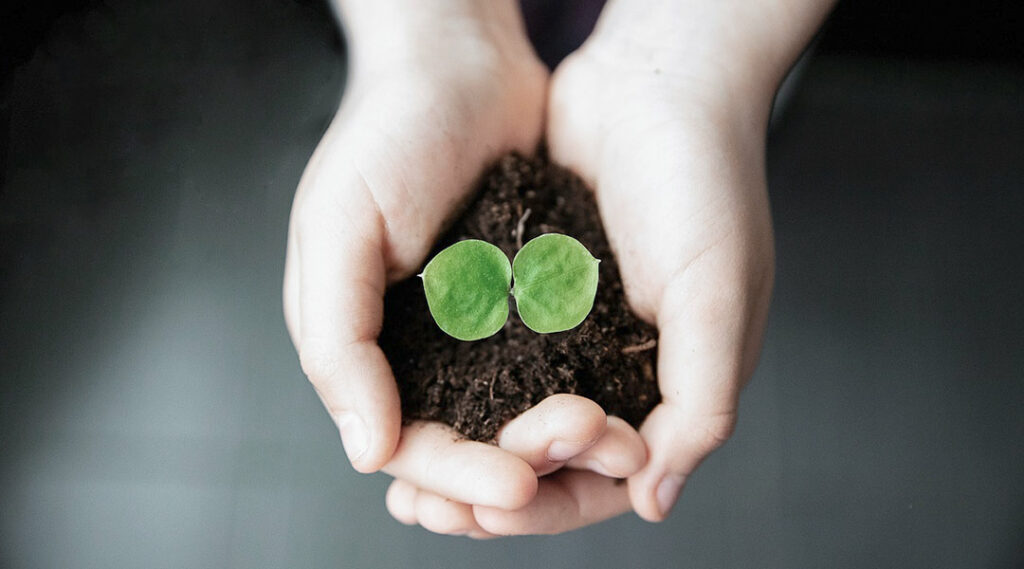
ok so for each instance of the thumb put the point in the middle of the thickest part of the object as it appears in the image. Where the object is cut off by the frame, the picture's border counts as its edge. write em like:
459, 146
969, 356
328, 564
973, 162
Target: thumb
710, 336
336, 312
677, 441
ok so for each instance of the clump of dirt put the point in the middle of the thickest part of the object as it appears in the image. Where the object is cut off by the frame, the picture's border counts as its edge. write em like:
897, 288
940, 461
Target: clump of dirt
476, 387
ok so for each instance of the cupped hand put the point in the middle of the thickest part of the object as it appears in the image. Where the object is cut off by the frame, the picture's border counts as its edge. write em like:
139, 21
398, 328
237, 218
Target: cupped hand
418, 123
664, 111
677, 163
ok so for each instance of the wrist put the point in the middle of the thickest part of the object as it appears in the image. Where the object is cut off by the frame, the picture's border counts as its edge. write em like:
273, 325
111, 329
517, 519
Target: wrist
735, 51
412, 35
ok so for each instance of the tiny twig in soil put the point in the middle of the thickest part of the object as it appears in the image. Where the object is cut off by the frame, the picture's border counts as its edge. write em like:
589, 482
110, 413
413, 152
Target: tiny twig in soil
519, 228
649, 344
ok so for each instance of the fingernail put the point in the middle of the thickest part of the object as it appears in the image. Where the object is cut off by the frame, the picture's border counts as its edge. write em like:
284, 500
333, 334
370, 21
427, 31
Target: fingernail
594, 465
561, 451
354, 435
668, 492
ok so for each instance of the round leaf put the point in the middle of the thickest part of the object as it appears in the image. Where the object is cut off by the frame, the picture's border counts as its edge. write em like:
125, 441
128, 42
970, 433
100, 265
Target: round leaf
467, 289
556, 280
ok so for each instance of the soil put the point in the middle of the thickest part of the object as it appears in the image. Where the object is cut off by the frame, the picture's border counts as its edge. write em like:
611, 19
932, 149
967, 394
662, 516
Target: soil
476, 387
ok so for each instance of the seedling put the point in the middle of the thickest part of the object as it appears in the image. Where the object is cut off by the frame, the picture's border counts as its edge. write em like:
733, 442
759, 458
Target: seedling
468, 284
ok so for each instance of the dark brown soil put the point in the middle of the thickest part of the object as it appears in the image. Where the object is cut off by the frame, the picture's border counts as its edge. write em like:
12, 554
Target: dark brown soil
477, 387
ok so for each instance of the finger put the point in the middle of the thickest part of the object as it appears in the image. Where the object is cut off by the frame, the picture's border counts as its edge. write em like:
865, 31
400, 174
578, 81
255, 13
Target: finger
566, 500
678, 441
401, 501
441, 515
619, 453
342, 275
553, 431
433, 457
709, 338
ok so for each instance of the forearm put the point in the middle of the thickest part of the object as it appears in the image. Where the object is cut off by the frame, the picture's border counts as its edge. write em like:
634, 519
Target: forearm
748, 45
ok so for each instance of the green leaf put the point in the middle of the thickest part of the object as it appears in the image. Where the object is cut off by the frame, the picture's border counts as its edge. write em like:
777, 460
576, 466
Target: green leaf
556, 280
467, 289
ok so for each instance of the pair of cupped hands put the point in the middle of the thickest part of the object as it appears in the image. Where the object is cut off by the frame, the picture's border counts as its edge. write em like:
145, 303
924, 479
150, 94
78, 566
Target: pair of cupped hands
672, 141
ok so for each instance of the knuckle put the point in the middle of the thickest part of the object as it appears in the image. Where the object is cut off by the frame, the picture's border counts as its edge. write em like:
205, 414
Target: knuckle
319, 360
716, 430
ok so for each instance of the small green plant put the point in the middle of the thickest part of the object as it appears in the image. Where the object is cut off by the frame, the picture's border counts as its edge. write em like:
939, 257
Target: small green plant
467, 286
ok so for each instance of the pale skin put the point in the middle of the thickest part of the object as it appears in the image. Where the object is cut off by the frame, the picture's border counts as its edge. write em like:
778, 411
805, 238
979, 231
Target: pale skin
664, 112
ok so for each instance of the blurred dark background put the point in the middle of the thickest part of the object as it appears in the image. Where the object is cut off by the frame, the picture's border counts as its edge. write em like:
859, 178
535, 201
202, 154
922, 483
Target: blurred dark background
152, 413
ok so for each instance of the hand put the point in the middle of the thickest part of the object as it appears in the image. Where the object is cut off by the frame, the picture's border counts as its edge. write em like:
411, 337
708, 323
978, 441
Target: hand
680, 184
423, 114
664, 112
419, 122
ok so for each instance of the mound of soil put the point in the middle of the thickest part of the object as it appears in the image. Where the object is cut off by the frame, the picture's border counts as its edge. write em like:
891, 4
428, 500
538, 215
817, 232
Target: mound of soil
476, 387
